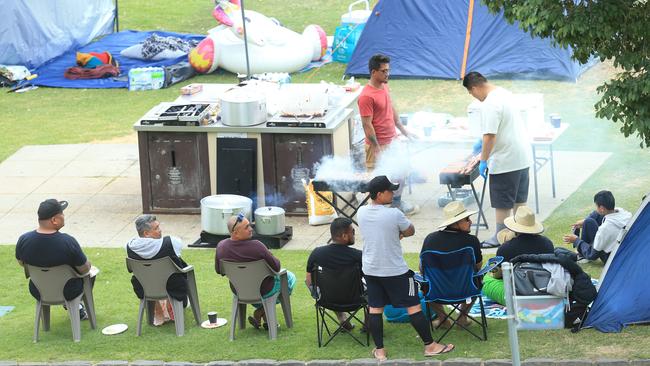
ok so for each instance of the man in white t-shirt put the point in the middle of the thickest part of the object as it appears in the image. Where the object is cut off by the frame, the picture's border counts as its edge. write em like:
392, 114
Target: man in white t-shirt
388, 278
505, 152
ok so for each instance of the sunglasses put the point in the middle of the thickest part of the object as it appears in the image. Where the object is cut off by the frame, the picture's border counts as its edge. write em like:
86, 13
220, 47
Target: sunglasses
240, 218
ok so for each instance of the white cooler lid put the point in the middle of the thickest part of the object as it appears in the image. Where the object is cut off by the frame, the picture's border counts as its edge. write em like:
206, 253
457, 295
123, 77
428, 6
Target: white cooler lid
357, 16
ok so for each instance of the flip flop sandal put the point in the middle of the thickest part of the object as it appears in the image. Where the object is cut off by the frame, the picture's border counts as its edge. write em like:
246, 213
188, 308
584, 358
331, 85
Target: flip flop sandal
254, 322
378, 358
446, 349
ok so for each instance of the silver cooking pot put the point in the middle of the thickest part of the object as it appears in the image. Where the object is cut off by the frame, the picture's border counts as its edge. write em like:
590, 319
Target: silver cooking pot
243, 107
269, 220
217, 209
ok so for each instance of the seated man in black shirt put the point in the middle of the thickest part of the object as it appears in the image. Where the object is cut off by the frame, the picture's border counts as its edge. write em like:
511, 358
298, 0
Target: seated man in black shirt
47, 247
336, 255
454, 234
527, 240
148, 245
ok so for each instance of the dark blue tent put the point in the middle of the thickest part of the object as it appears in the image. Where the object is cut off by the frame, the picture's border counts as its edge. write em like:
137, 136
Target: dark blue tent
623, 297
434, 39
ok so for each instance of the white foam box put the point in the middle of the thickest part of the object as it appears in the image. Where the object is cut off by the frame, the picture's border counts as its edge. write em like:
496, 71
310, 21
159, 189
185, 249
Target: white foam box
531, 108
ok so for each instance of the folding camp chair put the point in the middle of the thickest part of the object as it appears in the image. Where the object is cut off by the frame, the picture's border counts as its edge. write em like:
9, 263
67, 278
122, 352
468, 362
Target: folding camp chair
451, 280
338, 290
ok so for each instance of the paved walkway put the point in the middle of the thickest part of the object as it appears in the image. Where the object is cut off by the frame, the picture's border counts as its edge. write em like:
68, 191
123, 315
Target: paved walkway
102, 184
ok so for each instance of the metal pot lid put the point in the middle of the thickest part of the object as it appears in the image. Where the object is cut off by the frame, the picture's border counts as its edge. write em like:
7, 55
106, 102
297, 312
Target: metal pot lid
269, 211
242, 95
221, 201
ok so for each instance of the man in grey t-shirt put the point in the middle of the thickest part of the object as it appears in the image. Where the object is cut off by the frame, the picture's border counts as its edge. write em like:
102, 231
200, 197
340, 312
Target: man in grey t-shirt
388, 278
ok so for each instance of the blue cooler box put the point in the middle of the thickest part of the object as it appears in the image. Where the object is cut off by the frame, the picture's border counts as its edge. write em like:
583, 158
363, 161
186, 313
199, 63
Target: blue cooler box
347, 34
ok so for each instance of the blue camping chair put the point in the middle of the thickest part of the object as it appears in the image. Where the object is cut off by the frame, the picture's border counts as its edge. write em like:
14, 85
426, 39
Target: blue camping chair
451, 280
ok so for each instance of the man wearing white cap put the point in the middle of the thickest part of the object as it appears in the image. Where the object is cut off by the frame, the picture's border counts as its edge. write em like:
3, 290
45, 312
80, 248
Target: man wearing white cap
527, 240
454, 234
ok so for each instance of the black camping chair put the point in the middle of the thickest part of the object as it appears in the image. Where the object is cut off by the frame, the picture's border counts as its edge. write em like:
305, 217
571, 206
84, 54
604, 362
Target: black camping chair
338, 290
450, 278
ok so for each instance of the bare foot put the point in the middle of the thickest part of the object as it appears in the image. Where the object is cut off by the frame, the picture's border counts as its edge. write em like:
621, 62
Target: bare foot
437, 324
464, 321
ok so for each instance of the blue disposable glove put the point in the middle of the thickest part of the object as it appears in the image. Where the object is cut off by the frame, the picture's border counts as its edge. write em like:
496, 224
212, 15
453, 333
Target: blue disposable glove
478, 146
482, 169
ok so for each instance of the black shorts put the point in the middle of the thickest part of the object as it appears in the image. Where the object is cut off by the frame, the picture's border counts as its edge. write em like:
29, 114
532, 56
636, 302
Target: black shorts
400, 291
509, 188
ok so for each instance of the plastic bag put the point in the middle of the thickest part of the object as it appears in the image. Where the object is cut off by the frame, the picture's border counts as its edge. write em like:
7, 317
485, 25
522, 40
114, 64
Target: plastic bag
320, 212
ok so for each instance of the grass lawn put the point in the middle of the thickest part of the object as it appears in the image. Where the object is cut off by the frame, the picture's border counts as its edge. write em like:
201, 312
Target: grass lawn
116, 303
57, 116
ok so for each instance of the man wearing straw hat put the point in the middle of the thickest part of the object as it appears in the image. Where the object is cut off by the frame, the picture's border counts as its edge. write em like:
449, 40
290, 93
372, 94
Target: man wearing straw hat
454, 234
527, 240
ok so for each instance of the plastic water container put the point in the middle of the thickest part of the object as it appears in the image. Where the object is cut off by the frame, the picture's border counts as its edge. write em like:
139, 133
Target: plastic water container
356, 16
146, 78
347, 34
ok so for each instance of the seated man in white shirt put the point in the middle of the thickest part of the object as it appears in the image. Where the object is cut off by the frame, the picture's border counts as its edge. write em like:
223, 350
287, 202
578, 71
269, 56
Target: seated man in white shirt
148, 245
595, 236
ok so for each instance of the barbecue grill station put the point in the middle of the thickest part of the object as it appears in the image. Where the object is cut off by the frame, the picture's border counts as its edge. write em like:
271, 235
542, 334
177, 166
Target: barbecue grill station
262, 141
220, 140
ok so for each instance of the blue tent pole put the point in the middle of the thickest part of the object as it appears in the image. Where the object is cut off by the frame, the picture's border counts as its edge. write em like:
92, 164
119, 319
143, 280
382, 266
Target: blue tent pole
243, 19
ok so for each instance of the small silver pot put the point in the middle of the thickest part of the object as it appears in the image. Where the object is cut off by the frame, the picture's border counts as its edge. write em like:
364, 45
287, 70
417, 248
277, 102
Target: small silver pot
269, 220
217, 209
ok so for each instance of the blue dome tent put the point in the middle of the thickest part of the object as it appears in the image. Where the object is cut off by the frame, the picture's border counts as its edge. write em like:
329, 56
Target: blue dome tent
623, 297
447, 38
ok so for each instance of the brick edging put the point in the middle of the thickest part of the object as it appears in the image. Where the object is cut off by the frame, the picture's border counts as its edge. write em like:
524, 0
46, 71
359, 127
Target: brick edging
355, 362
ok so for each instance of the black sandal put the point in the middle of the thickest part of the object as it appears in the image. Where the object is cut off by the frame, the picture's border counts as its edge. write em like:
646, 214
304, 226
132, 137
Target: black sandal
254, 322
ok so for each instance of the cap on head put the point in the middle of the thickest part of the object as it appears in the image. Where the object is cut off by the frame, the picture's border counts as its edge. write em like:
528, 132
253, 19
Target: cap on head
50, 208
380, 184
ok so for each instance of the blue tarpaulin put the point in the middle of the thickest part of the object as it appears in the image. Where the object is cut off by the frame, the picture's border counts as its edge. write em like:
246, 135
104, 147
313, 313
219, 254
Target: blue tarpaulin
51, 73
426, 39
35, 31
623, 297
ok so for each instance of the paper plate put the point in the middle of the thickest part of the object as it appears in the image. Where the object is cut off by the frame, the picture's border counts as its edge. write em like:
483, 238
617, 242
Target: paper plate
220, 322
115, 329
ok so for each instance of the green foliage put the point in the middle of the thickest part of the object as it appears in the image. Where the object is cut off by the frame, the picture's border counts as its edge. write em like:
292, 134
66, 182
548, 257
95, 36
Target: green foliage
611, 30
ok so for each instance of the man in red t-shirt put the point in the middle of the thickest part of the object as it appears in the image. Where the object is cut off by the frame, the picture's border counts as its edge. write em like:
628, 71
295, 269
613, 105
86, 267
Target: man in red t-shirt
380, 120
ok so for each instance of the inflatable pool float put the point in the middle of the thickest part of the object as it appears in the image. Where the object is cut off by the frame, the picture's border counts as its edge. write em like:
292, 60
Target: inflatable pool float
271, 47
